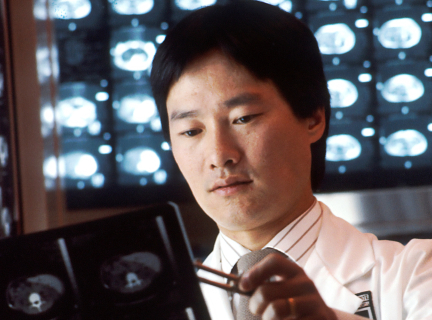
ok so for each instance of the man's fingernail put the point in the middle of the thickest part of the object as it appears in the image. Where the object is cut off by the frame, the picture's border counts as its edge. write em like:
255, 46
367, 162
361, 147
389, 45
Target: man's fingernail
253, 307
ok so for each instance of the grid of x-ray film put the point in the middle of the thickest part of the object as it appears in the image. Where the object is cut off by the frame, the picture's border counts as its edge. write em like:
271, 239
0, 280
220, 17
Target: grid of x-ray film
377, 57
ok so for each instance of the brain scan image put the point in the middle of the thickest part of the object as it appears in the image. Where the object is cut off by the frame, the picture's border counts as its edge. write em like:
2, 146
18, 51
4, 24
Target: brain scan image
130, 273
335, 38
129, 7
342, 147
34, 295
406, 143
133, 55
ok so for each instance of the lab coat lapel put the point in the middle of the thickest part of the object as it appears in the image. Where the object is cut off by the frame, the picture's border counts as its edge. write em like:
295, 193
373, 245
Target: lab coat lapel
342, 254
217, 301
334, 294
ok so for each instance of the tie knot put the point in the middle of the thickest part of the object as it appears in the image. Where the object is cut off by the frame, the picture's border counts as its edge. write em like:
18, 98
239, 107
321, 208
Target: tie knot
248, 260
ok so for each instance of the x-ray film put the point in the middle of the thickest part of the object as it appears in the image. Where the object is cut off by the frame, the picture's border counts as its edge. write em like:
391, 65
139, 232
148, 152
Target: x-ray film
133, 266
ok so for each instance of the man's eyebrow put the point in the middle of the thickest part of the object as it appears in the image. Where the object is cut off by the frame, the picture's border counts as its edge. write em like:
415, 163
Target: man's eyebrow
242, 99
176, 115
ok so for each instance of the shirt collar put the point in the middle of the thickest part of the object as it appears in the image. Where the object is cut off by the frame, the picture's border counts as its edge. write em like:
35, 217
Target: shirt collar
296, 240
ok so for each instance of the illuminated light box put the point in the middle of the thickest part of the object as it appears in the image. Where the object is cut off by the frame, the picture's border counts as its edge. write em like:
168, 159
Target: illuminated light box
379, 3
47, 118
136, 265
134, 108
343, 37
333, 5
76, 15
83, 55
144, 161
402, 33
134, 12
351, 90
406, 143
40, 9
43, 58
295, 7
81, 109
350, 147
132, 51
181, 8
404, 88
6, 221
4, 153
50, 171
84, 163
7, 224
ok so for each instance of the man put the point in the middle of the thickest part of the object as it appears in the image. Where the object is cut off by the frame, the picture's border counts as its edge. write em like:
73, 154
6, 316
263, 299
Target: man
244, 103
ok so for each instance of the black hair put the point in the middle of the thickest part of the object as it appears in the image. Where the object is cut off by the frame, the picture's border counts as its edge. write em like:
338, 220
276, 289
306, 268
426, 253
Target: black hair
269, 42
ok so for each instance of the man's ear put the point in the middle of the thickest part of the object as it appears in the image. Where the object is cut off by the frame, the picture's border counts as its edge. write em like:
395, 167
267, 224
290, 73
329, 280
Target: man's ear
316, 125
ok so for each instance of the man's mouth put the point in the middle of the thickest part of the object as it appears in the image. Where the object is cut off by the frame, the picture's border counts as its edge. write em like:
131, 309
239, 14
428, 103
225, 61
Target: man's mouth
229, 184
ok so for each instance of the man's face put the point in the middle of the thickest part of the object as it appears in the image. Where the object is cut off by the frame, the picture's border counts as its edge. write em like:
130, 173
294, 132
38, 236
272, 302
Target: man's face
244, 154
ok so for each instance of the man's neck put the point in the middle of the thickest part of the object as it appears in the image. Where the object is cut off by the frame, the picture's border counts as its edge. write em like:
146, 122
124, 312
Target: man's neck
257, 238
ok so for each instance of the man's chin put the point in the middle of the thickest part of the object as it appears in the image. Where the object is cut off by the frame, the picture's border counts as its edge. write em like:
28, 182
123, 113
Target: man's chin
239, 224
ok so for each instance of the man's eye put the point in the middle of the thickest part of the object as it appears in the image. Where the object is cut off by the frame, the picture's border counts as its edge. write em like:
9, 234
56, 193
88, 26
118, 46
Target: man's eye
190, 133
244, 119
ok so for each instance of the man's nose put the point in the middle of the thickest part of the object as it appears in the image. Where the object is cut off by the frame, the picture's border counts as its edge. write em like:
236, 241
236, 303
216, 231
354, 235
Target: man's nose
223, 149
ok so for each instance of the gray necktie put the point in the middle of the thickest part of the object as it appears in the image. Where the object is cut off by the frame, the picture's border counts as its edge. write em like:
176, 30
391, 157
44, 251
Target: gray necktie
244, 264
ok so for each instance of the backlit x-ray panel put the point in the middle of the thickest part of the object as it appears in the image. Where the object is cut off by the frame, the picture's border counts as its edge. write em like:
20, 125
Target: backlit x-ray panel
181, 8
124, 12
111, 131
293, 6
342, 36
397, 3
83, 55
84, 163
377, 59
406, 143
144, 160
404, 87
351, 91
402, 33
380, 91
82, 109
134, 108
132, 51
335, 5
350, 147
73, 14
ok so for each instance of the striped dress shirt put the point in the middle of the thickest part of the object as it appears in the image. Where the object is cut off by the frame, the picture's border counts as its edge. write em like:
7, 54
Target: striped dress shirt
296, 240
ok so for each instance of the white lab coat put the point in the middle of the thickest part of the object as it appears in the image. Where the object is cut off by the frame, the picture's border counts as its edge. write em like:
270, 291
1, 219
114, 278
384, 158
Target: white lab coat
345, 262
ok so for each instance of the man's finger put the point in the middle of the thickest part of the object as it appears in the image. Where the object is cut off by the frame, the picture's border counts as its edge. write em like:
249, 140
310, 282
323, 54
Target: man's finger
272, 265
291, 308
272, 291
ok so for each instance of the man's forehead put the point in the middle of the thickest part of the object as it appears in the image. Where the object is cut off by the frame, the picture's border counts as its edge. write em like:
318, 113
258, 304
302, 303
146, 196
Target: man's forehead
212, 57
209, 66
207, 71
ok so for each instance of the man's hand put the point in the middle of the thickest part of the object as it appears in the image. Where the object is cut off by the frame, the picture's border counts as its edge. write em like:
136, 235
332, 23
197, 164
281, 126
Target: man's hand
271, 298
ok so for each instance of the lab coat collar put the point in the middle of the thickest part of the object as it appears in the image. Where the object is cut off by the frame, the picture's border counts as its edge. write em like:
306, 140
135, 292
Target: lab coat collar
342, 254
346, 252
